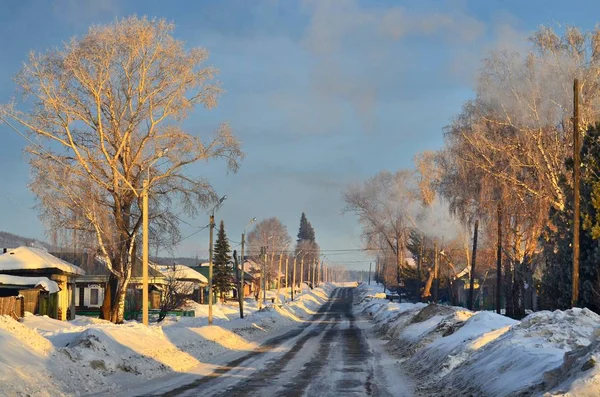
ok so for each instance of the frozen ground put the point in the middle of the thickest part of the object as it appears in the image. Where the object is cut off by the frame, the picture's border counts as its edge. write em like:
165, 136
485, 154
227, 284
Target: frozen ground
45, 357
456, 352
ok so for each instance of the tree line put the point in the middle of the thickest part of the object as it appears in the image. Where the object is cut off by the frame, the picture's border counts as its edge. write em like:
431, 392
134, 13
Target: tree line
505, 170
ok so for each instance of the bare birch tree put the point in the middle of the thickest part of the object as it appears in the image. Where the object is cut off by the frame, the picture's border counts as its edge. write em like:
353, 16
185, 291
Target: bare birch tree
273, 234
103, 111
386, 206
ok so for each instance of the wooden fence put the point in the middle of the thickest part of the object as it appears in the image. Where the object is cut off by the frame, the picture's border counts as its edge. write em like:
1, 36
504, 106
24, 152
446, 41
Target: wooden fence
12, 306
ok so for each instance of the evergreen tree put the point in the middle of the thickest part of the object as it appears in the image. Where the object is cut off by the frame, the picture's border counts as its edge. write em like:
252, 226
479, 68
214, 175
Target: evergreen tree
222, 274
306, 231
556, 285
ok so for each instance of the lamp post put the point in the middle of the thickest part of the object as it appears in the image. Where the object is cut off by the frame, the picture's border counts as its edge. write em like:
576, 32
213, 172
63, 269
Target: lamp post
241, 276
210, 260
279, 272
145, 186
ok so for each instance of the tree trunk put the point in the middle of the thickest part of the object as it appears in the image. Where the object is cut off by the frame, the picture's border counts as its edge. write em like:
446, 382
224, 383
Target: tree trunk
427, 290
473, 260
508, 288
118, 310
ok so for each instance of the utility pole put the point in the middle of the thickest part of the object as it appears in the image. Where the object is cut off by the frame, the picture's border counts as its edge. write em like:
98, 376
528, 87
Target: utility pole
435, 272
261, 278
240, 279
210, 260
576, 192
499, 260
419, 266
301, 273
287, 284
266, 256
314, 271
271, 267
370, 273
279, 276
210, 270
241, 282
473, 259
145, 252
294, 275
242, 260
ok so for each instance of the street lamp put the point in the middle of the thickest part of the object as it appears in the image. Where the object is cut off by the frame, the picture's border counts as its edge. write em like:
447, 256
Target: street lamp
241, 276
210, 259
145, 186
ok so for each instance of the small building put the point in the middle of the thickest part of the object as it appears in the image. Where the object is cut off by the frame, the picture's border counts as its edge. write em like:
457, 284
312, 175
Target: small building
249, 282
187, 280
37, 295
91, 288
50, 279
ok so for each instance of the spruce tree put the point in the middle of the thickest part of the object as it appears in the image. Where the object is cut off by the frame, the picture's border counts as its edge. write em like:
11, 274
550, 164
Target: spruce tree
222, 275
304, 233
556, 285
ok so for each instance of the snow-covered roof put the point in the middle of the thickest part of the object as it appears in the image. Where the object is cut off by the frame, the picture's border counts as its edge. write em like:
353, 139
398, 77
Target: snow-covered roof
29, 258
44, 282
181, 272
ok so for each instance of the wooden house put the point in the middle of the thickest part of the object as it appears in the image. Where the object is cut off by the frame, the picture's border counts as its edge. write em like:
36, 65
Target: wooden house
46, 281
186, 280
91, 287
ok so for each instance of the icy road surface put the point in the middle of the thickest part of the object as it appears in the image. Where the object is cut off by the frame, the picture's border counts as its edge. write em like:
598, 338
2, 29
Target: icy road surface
330, 355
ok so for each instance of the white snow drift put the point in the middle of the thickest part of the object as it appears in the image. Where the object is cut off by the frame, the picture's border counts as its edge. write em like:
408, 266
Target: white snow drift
40, 356
456, 352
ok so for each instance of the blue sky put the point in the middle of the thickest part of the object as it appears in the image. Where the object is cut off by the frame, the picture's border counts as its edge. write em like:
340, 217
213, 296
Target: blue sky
321, 93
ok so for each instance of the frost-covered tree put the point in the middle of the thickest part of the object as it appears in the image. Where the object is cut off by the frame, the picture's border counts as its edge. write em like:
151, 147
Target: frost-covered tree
102, 111
387, 206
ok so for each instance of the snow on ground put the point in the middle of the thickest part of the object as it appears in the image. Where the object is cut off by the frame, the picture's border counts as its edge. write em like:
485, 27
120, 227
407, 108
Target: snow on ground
41, 356
453, 351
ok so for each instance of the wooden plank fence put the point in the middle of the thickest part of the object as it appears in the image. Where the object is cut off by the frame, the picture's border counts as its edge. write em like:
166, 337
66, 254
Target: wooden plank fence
12, 306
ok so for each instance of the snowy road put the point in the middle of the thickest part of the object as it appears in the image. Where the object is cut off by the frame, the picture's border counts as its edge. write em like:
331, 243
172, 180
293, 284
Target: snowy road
329, 355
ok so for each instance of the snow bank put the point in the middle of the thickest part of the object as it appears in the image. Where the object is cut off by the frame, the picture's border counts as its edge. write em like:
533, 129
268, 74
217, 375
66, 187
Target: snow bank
41, 356
459, 352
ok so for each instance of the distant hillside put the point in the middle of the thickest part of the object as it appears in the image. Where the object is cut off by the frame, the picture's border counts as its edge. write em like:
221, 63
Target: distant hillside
9, 240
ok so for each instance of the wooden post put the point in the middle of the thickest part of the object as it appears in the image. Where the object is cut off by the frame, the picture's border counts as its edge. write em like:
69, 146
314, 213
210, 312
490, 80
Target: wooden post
240, 277
145, 253
473, 259
419, 265
241, 282
210, 270
499, 261
576, 183
435, 272
279, 277
287, 267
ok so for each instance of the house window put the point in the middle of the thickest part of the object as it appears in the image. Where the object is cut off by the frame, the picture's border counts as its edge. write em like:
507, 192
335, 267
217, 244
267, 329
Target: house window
94, 297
